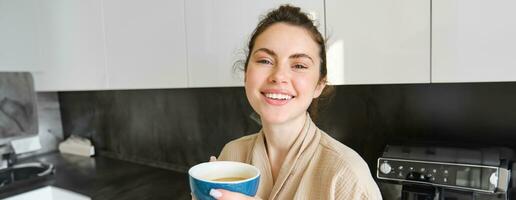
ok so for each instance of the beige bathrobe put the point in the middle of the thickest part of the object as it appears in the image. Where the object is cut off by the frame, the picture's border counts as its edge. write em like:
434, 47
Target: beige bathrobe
316, 167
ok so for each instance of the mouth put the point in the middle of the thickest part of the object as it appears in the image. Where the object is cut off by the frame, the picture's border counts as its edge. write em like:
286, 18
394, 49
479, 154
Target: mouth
277, 98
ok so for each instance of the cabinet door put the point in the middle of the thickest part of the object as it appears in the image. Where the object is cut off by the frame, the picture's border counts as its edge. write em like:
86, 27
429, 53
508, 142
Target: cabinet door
145, 42
19, 49
473, 40
378, 41
72, 46
218, 32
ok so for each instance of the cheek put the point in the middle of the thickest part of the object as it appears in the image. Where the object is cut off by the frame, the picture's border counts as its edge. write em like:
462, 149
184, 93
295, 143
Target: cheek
251, 84
253, 77
306, 84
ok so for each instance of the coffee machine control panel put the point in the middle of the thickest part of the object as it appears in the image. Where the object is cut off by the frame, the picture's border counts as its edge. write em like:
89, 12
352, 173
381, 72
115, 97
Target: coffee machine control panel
451, 175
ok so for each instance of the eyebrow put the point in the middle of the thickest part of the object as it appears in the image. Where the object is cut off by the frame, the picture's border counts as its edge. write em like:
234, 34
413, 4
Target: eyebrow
272, 53
302, 55
268, 51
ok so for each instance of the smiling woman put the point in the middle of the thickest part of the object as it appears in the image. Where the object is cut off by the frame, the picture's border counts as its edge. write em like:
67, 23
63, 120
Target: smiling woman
285, 75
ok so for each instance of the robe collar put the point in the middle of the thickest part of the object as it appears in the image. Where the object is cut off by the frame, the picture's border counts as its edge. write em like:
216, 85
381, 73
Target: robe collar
297, 158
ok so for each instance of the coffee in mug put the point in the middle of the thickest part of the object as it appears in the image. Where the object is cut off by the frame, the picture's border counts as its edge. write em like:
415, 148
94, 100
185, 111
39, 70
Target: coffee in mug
229, 179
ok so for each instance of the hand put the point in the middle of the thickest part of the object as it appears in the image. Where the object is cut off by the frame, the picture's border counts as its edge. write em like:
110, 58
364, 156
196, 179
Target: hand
221, 194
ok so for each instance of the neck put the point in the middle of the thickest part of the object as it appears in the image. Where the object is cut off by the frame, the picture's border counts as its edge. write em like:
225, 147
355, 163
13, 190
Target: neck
280, 137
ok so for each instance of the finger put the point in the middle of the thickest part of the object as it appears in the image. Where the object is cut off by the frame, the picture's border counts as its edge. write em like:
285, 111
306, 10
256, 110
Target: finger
221, 194
213, 158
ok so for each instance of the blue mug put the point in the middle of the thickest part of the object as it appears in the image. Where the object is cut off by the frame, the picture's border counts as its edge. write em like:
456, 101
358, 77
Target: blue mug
233, 176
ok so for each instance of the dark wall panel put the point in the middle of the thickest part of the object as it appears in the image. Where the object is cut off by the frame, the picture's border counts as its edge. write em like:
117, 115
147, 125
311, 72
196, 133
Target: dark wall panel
167, 128
176, 128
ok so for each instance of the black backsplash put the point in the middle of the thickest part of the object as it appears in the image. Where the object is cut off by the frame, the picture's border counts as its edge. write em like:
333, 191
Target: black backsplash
177, 128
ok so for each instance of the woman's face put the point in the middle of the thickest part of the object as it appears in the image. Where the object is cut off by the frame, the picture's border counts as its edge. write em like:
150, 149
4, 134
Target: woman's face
282, 75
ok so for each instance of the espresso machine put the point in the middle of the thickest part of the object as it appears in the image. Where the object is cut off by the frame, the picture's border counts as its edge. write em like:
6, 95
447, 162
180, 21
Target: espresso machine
447, 173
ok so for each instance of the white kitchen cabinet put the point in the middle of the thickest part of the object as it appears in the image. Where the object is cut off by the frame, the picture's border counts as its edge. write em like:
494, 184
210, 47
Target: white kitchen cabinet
18, 36
378, 41
145, 44
71, 42
473, 40
218, 32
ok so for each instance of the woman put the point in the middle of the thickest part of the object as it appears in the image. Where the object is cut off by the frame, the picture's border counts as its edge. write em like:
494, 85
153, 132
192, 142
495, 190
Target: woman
285, 73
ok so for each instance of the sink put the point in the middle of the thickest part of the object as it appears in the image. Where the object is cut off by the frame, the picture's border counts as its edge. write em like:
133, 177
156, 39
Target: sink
49, 193
30, 171
24, 171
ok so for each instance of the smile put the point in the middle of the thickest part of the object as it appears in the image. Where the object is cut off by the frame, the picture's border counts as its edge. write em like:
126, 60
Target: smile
278, 96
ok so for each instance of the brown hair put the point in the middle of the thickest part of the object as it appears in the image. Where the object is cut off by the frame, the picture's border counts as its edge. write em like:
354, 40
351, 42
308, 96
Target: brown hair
294, 16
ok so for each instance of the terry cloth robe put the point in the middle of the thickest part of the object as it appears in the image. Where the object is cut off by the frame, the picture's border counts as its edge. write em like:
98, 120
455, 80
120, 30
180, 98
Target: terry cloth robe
316, 167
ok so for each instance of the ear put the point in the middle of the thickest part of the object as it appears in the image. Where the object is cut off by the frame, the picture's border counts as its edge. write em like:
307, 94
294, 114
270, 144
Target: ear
319, 88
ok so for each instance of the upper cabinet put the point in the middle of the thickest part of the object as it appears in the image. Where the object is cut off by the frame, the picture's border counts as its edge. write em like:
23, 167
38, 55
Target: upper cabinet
473, 40
218, 33
96, 44
18, 36
134, 44
145, 44
60, 41
71, 43
378, 41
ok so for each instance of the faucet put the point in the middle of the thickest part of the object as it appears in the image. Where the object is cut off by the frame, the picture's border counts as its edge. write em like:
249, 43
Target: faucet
7, 156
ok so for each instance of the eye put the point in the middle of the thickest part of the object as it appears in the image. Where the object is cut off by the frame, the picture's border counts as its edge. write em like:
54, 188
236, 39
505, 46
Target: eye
264, 61
299, 66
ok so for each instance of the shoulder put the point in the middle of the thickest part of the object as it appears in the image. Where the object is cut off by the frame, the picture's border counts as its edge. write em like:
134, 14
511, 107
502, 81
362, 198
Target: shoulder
349, 169
238, 149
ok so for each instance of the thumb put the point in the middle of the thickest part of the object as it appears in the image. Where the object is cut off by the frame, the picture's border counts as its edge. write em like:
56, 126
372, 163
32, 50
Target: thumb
221, 194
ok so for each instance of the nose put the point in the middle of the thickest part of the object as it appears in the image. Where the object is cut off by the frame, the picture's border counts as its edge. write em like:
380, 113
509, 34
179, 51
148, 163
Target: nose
279, 74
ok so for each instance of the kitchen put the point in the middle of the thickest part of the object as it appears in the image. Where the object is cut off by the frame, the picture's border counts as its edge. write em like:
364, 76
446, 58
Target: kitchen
154, 83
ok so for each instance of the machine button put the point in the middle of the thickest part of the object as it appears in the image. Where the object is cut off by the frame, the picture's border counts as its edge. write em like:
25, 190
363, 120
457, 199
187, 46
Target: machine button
445, 171
411, 168
400, 167
422, 177
432, 179
385, 168
445, 180
422, 169
400, 174
434, 171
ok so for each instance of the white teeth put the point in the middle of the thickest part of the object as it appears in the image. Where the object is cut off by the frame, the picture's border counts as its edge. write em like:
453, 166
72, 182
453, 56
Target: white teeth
278, 96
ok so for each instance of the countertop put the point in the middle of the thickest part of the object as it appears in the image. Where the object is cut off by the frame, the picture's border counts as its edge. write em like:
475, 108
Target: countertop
106, 178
